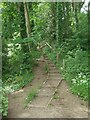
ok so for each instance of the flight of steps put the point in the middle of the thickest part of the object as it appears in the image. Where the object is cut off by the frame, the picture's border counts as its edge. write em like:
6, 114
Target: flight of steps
49, 87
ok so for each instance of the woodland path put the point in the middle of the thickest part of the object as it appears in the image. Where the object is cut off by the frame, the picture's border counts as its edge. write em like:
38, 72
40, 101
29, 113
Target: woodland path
54, 99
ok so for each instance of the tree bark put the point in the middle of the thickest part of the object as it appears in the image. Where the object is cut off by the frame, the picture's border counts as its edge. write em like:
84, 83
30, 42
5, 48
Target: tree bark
23, 32
59, 23
27, 20
75, 9
22, 21
76, 16
53, 23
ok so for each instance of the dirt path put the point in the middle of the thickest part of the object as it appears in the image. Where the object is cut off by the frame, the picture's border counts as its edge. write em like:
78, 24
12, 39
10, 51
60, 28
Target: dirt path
54, 99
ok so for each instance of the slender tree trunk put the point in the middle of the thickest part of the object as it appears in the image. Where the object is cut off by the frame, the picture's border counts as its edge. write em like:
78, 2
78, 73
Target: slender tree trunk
23, 32
59, 23
30, 8
89, 48
89, 27
53, 23
76, 16
75, 9
27, 20
64, 21
68, 21
22, 22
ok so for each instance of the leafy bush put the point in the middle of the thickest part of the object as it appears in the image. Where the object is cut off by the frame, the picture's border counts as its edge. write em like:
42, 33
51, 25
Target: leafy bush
75, 69
18, 81
17, 70
80, 86
77, 73
76, 64
3, 101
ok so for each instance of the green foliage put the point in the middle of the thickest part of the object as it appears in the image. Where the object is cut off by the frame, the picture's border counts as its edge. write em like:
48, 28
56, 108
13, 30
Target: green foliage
46, 68
49, 22
41, 18
19, 81
80, 86
4, 104
56, 96
31, 96
83, 27
50, 55
3, 101
10, 20
75, 69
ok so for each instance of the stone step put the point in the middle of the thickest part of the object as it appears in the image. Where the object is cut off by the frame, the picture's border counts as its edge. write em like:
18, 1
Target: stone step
46, 91
52, 78
54, 75
53, 72
40, 101
52, 83
50, 63
52, 67
47, 59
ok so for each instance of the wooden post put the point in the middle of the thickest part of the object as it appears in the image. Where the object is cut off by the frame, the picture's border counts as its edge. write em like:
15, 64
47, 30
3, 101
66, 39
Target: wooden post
58, 57
63, 63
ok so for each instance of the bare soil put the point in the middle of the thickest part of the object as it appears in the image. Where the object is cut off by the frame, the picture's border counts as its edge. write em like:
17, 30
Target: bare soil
54, 99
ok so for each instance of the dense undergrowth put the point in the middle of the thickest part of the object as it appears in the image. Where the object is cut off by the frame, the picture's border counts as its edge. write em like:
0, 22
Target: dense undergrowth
17, 74
73, 64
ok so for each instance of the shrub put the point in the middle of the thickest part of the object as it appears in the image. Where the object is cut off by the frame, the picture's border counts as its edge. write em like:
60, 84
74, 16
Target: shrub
3, 102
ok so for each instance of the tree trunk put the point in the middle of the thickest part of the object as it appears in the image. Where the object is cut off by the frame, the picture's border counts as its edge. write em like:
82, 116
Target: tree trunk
30, 8
59, 23
68, 21
22, 22
76, 16
53, 23
75, 9
23, 33
27, 20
